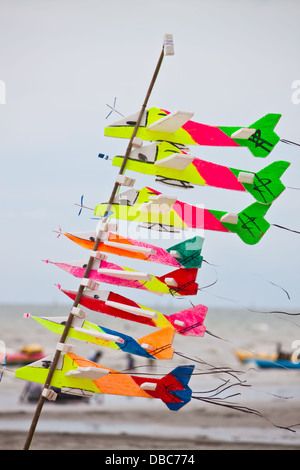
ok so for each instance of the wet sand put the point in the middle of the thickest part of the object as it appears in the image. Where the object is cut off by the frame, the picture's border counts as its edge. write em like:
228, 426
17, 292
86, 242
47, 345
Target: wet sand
42, 441
144, 427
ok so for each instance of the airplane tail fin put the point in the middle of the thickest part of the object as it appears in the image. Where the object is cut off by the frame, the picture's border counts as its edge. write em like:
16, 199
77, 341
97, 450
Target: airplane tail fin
159, 343
181, 281
189, 322
36, 371
266, 186
188, 252
176, 383
248, 224
262, 141
144, 194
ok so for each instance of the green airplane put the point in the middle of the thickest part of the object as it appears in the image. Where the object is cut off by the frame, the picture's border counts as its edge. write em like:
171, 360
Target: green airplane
161, 125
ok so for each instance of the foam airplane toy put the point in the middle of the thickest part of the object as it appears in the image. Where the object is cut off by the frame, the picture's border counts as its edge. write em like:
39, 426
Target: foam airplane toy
78, 376
188, 322
185, 254
161, 125
171, 132
157, 345
179, 282
157, 211
172, 166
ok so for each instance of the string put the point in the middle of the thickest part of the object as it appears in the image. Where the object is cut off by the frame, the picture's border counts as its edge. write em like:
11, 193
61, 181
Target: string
289, 142
285, 228
248, 308
213, 396
252, 274
244, 409
215, 399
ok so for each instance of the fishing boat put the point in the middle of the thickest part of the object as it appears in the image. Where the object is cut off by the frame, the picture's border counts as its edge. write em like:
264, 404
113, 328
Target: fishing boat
276, 364
247, 356
25, 355
277, 360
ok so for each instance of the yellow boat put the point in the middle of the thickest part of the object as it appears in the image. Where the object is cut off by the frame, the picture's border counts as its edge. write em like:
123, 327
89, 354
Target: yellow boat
244, 355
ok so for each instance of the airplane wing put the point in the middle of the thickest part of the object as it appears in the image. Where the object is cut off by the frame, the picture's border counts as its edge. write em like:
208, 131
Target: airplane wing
177, 161
90, 373
172, 122
158, 204
243, 133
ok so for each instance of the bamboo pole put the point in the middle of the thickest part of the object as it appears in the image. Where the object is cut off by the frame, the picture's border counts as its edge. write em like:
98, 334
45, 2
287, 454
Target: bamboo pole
90, 262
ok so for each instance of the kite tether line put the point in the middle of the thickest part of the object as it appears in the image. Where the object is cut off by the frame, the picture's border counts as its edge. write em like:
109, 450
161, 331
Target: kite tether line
289, 142
98, 239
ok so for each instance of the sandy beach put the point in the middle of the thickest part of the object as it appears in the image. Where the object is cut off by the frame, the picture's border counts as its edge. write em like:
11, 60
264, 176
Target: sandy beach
42, 441
148, 426
109, 423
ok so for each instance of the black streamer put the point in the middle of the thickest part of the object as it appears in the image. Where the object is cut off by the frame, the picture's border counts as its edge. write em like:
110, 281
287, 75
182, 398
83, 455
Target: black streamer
289, 142
285, 228
243, 409
252, 310
253, 274
214, 394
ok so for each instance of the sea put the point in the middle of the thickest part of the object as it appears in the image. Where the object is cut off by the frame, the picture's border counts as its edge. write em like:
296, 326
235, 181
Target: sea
214, 356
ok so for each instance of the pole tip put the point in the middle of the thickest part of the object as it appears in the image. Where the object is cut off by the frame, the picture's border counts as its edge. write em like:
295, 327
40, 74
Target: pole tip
168, 44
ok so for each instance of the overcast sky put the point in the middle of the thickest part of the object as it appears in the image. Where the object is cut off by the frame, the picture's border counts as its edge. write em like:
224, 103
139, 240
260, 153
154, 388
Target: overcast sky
63, 60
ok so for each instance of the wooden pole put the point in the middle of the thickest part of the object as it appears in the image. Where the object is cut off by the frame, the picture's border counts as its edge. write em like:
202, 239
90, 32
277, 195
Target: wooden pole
90, 262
